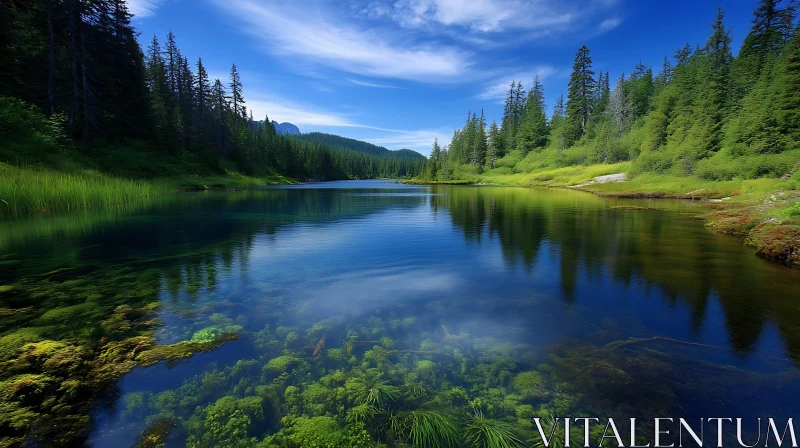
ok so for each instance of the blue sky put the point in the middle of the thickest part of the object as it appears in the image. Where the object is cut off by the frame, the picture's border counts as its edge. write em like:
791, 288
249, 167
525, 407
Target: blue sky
400, 72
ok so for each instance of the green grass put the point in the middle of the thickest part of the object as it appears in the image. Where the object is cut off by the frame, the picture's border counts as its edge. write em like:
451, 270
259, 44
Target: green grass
42, 170
26, 190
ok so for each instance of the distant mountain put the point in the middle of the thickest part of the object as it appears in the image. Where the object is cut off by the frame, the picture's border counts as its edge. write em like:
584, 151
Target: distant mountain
286, 128
358, 145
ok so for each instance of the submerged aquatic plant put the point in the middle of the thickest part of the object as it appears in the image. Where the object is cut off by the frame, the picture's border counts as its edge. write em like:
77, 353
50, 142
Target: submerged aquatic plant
431, 429
371, 389
485, 433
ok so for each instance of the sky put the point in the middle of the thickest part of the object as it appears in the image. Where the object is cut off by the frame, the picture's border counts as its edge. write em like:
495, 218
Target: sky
399, 73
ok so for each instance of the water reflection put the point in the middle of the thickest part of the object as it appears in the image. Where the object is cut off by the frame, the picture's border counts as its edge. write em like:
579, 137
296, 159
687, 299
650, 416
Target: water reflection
664, 251
464, 290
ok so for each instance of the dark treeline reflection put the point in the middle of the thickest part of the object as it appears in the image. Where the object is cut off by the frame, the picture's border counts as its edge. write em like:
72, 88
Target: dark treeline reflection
459, 304
83, 288
665, 249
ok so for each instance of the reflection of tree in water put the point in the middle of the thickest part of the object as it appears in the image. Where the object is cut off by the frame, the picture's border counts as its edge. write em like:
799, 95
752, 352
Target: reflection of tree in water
684, 261
83, 308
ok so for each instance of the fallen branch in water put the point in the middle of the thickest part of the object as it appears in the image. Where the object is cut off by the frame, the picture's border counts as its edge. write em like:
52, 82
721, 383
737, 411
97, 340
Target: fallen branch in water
614, 345
632, 341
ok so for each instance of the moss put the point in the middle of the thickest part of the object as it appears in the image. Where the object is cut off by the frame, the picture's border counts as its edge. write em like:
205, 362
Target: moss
281, 363
16, 418
210, 334
777, 241
229, 422
181, 350
156, 435
335, 354
54, 357
11, 342
530, 385
71, 314
323, 432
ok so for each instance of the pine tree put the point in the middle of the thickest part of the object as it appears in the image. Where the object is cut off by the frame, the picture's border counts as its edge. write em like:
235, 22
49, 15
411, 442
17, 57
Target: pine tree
715, 96
772, 26
788, 92
433, 161
533, 130
640, 90
619, 107
580, 94
172, 59
492, 145
480, 141
203, 88
682, 56
237, 98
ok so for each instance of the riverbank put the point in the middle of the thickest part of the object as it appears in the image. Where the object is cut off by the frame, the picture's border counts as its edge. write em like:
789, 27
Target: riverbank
25, 190
765, 212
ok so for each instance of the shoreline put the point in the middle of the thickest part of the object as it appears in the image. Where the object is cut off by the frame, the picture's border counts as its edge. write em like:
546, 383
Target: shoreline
753, 216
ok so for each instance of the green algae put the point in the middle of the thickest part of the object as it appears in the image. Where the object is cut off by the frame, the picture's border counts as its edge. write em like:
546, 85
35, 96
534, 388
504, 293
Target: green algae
381, 379
281, 363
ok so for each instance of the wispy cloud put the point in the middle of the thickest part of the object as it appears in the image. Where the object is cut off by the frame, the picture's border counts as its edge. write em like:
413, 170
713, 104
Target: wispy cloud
298, 114
418, 140
498, 88
609, 24
143, 8
485, 16
375, 85
284, 29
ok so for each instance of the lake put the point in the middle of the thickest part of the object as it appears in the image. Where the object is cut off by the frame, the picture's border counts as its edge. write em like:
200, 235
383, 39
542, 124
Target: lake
370, 312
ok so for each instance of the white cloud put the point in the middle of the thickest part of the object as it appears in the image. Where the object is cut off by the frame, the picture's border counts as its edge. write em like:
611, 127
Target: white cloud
300, 115
370, 84
418, 140
498, 88
484, 16
300, 32
609, 24
143, 8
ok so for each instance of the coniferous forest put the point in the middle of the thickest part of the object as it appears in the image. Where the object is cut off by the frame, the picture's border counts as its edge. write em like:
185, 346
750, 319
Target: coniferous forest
703, 113
75, 76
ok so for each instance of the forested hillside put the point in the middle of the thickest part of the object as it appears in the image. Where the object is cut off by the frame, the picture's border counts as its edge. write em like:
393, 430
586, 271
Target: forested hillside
77, 85
358, 145
703, 113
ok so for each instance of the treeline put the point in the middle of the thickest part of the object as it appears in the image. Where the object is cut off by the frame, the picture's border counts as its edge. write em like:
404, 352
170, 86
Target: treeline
374, 160
705, 112
80, 63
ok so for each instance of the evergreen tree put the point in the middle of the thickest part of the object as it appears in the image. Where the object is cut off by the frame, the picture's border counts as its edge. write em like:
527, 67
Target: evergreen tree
172, 59
433, 161
202, 88
237, 98
492, 145
580, 94
533, 131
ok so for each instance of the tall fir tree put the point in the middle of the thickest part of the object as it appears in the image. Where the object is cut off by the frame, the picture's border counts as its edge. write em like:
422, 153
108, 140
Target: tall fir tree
237, 97
533, 130
580, 94
492, 145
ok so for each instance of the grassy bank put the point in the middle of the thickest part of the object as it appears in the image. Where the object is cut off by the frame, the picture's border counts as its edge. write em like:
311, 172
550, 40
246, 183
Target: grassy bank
26, 190
765, 211
44, 170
